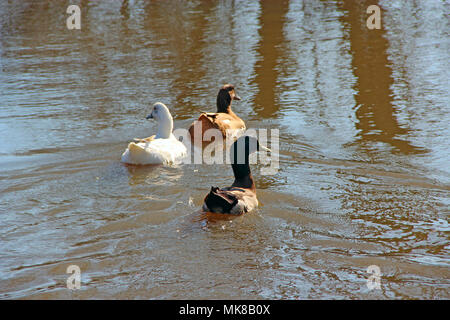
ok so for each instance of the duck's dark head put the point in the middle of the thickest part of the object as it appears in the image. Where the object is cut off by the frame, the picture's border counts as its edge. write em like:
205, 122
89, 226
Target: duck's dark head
239, 156
242, 148
224, 98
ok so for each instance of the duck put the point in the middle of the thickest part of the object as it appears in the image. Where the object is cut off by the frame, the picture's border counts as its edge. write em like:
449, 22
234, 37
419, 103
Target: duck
224, 119
240, 197
162, 148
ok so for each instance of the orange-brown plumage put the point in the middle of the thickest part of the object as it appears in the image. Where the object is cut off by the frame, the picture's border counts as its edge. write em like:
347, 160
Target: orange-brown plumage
224, 119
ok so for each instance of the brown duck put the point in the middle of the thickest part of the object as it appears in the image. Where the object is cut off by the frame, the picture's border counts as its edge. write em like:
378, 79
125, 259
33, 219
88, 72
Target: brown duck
224, 119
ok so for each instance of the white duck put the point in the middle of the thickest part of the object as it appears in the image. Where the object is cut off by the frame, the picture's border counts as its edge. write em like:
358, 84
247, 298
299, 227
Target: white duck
162, 148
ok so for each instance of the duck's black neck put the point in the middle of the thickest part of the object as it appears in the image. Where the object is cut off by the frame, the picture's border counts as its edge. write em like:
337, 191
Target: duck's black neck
242, 175
224, 102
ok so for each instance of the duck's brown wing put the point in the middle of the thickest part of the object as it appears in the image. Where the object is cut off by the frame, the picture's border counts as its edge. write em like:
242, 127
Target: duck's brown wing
225, 121
219, 121
205, 122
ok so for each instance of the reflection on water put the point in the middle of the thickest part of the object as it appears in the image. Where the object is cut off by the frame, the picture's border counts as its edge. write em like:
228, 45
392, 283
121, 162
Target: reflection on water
272, 19
364, 149
377, 117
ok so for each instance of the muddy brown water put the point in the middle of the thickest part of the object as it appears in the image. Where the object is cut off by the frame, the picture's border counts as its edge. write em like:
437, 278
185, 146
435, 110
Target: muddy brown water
364, 175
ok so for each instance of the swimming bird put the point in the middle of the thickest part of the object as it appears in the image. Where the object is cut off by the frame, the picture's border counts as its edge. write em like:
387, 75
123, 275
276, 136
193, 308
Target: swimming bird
241, 196
162, 148
224, 119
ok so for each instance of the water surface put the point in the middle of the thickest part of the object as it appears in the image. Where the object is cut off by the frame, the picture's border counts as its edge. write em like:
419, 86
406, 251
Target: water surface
364, 174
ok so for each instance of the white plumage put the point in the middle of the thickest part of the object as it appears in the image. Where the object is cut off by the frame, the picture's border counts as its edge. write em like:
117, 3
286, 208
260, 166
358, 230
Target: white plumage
163, 148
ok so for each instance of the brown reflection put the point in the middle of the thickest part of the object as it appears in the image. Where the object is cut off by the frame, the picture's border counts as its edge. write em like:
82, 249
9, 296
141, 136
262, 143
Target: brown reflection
137, 174
125, 10
178, 29
375, 111
272, 19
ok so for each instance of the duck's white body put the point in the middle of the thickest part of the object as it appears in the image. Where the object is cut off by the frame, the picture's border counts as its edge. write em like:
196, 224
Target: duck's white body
157, 151
163, 148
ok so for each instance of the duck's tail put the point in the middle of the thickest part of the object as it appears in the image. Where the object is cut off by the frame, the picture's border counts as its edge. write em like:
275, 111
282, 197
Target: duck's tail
135, 149
135, 154
220, 201
204, 123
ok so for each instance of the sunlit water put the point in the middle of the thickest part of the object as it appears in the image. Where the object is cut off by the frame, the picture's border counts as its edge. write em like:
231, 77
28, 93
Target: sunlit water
364, 149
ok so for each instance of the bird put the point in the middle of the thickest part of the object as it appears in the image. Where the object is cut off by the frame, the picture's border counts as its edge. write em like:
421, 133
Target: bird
241, 196
224, 119
162, 148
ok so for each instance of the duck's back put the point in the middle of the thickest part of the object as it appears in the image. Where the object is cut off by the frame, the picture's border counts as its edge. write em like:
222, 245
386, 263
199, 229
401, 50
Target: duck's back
226, 123
232, 200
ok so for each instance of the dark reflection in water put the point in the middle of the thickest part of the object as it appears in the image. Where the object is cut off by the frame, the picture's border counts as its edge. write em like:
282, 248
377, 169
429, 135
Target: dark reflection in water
178, 28
272, 20
125, 12
364, 149
377, 117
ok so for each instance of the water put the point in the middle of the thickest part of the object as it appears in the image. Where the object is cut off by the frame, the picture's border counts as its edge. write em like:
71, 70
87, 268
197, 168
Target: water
364, 173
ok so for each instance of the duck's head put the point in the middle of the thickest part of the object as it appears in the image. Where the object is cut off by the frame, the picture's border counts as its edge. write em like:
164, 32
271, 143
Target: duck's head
243, 147
165, 121
226, 94
160, 112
